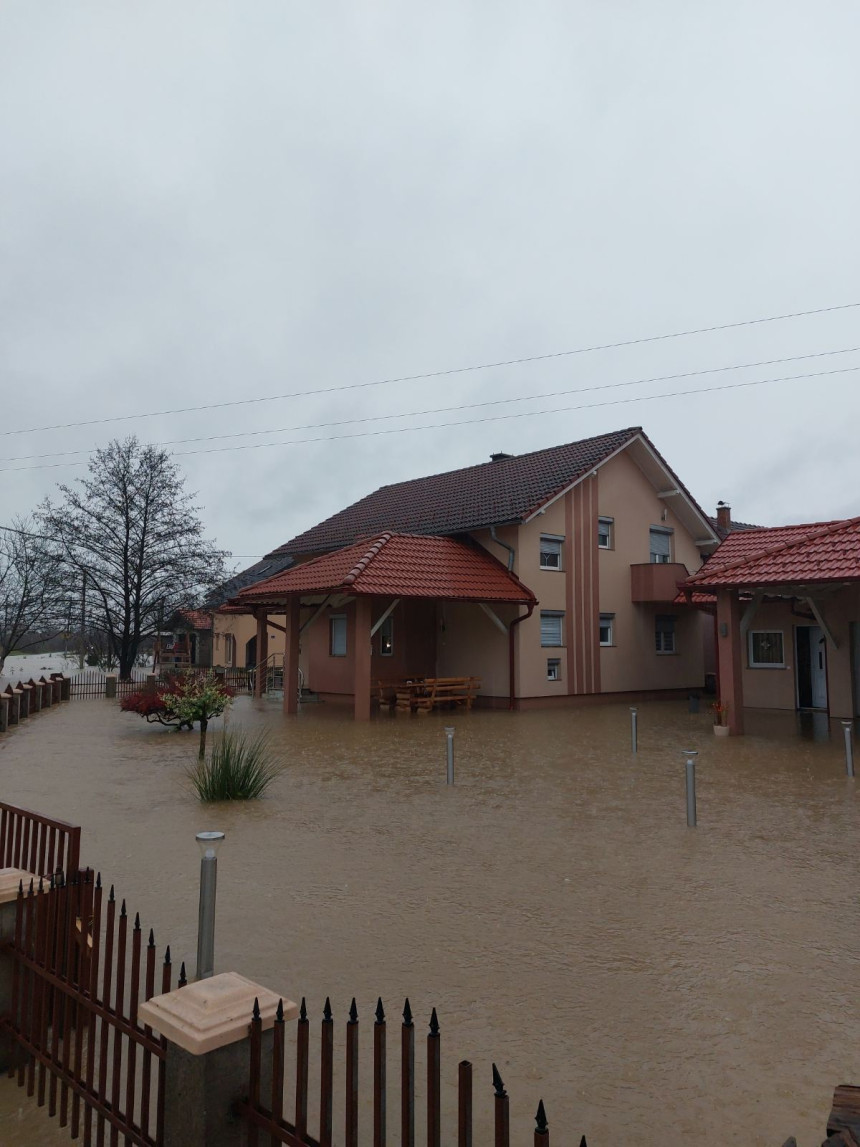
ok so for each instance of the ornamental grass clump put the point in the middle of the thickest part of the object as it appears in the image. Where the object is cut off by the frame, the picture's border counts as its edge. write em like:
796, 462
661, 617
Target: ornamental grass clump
238, 768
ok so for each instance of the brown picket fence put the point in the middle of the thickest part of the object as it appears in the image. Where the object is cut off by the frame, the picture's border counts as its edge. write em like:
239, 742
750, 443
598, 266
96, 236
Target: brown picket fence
36, 843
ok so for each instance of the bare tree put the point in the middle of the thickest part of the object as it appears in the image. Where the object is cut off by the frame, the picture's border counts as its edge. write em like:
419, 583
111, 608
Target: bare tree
135, 531
34, 588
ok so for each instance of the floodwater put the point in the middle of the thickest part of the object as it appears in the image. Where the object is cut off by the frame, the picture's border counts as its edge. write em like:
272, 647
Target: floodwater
641, 977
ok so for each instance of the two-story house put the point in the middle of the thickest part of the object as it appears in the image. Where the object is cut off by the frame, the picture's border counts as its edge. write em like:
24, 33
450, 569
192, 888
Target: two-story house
552, 576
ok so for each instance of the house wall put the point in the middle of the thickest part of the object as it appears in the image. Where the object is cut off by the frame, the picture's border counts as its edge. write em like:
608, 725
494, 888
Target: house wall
775, 688
243, 626
470, 644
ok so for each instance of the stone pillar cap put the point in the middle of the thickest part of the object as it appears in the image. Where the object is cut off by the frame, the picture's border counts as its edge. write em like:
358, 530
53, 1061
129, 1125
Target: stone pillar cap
212, 1013
10, 879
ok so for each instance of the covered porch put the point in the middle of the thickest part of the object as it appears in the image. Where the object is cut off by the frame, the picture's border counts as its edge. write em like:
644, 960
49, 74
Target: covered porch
393, 609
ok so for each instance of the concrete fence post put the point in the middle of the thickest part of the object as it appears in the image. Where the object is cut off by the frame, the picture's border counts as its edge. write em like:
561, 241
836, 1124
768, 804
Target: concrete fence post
14, 696
27, 700
34, 697
151, 682
47, 693
4, 712
66, 693
10, 879
207, 1028
110, 687
57, 687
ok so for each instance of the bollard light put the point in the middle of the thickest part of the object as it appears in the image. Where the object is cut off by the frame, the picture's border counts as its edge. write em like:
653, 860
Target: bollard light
691, 755
848, 729
449, 737
634, 728
209, 843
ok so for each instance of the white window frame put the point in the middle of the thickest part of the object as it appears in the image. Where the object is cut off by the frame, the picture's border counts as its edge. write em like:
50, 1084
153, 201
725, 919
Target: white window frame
386, 632
660, 559
606, 620
556, 615
553, 669
753, 664
554, 540
661, 634
610, 532
339, 617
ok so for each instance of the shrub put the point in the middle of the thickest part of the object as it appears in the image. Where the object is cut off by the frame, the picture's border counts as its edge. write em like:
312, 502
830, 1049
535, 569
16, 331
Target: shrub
238, 768
180, 701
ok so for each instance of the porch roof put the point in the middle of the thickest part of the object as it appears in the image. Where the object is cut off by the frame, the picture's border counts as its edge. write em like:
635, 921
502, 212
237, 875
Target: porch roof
821, 552
398, 565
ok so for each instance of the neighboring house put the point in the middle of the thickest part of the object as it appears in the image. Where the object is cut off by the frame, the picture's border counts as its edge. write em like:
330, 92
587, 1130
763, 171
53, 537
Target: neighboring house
188, 642
235, 630
600, 533
788, 618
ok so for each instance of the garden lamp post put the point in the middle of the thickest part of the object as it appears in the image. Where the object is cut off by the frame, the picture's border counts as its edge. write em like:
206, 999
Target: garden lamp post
209, 843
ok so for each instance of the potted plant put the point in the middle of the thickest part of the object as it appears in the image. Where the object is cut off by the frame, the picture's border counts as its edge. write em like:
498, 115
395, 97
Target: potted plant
721, 711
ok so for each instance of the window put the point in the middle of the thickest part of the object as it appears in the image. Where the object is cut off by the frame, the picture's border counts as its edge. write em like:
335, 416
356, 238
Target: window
551, 627
664, 633
661, 546
553, 669
337, 635
604, 533
766, 649
607, 629
386, 637
550, 552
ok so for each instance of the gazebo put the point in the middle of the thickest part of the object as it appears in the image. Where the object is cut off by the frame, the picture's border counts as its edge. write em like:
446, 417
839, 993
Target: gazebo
361, 586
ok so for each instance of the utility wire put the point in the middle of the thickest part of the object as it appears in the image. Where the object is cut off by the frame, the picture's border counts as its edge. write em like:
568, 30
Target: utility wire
452, 409
475, 421
435, 373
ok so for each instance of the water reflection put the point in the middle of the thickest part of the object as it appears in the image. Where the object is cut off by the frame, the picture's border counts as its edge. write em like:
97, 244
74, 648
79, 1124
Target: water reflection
552, 904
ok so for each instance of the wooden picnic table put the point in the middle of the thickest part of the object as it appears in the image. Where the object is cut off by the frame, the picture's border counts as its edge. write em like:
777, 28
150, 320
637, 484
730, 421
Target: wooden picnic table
424, 694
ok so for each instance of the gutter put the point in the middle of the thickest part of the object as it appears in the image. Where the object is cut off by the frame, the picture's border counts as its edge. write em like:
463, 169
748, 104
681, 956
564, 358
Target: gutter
511, 551
512, 670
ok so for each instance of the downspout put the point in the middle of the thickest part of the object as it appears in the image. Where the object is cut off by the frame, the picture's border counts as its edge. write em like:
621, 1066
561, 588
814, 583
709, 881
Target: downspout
512, 671
511, 551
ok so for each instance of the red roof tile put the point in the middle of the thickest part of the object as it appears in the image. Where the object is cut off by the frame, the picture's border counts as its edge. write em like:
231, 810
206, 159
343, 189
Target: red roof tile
398, 565
196, 618
459, 501
784, 555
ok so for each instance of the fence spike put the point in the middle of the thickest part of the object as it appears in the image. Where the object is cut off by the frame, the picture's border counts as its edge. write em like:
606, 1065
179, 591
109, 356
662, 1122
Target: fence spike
111, 896
497, 1083
99, 881
21, 887
353, 1012
31, 887
41, 885
183, 979
327, 1010
541, 1124
256, 1009
122, 910
407, 1013
434, 1023
303, 1010
380, 1011
151, 943
137, 921
52, 882
167, 956
279, 1014
582, 1142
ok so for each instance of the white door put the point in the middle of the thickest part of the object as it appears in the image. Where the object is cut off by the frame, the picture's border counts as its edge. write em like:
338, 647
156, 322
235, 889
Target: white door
818, 666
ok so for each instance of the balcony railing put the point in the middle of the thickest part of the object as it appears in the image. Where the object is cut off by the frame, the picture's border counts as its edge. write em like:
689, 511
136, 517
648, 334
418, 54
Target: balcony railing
655, 582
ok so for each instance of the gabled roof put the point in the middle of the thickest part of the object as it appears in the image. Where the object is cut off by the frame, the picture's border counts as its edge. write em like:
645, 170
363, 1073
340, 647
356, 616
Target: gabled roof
398, 565
265, 568
195, 618
509, 490
785, 555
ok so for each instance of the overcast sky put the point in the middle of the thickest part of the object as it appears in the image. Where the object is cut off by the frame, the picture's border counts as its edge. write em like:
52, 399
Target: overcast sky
202, 202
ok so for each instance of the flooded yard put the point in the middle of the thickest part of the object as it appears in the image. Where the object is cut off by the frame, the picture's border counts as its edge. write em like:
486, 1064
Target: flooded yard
643, 978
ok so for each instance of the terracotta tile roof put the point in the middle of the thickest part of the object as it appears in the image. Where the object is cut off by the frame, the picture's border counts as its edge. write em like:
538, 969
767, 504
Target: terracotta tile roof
784, 555
399, 565
196, 618
459, 501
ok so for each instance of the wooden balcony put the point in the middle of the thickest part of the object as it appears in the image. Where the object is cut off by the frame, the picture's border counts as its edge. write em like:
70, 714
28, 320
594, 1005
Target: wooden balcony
655, 583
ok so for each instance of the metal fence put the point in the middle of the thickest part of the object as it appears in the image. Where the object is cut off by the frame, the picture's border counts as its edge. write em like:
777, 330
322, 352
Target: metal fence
265, 1116
93, 683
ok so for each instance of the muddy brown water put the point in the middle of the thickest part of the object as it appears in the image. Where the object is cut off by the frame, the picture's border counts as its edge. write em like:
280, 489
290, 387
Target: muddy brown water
640, 977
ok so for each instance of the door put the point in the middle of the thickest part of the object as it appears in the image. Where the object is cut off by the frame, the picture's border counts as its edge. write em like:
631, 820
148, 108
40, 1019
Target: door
811, 662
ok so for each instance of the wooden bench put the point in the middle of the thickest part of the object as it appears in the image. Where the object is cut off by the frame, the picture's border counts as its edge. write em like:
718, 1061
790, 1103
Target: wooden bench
424, 694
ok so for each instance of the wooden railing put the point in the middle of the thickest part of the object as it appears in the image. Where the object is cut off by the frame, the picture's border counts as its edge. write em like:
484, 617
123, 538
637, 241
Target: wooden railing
36, 843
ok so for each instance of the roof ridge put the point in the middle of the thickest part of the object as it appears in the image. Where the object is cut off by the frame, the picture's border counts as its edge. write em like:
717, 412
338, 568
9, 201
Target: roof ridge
363, 562
826, 528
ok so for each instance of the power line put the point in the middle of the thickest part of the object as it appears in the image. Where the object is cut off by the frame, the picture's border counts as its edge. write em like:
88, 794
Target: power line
475, 421
451, 409
436, 373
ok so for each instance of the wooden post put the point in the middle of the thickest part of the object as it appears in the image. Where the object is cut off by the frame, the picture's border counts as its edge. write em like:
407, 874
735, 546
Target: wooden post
262, 651
361, 658
291, 656
729, 658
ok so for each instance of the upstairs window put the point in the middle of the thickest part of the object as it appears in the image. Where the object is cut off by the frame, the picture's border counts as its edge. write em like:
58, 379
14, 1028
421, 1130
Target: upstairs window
386, 637
661, 546
664, 633
551, 628
550, 551
337, 635
605, 532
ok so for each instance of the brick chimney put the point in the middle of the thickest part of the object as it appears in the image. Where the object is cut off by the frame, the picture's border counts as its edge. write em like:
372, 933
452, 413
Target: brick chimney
724, 516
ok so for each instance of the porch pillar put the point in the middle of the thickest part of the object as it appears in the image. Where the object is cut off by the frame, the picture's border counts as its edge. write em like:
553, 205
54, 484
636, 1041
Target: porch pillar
291, 655
262, 650
729, 660
361, 658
